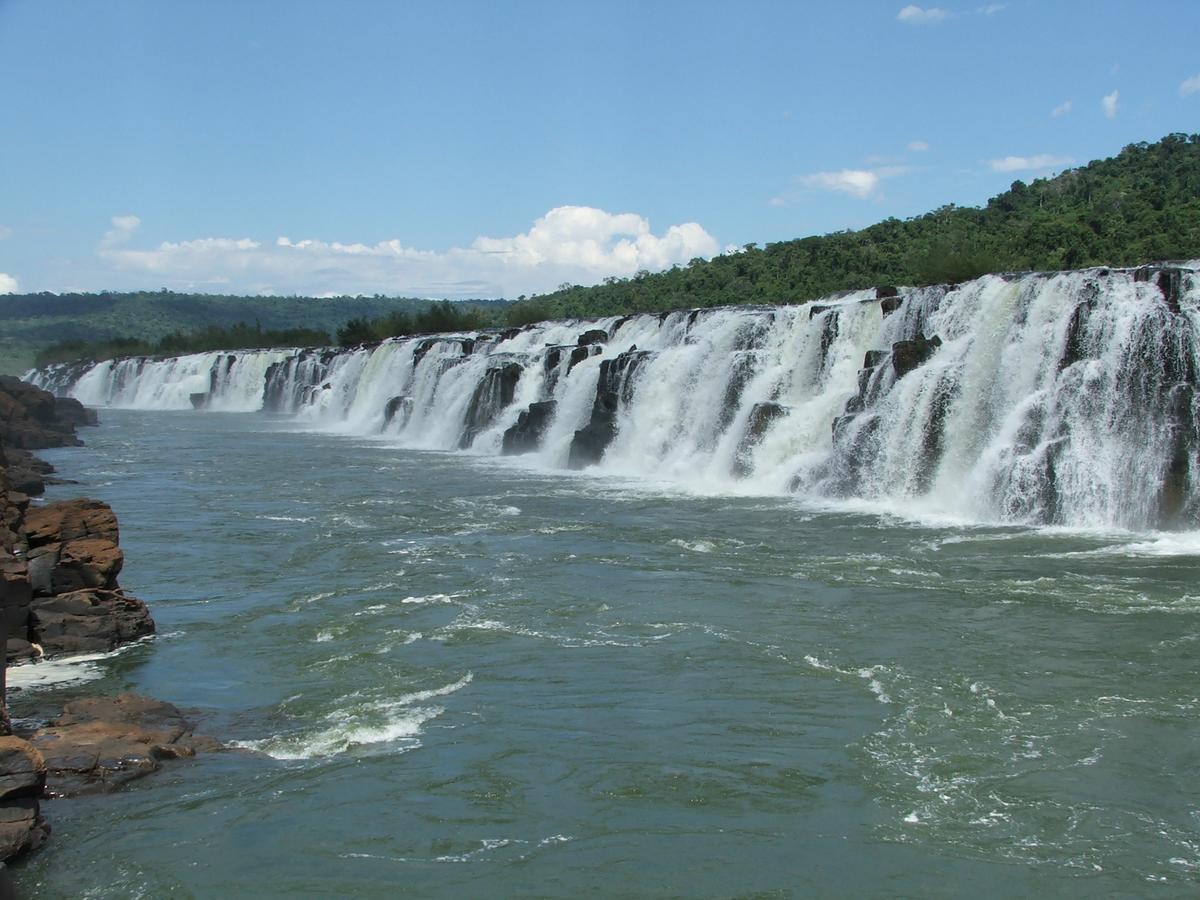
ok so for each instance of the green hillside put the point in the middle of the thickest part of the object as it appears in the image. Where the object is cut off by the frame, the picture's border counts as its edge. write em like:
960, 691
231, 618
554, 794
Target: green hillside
1139, 206
31, 322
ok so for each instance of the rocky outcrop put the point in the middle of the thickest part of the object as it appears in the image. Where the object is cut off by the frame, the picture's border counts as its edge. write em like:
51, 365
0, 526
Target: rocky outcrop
762, 415
907, 355
494, 392
99, 744
526, 435
614, 388
33, 419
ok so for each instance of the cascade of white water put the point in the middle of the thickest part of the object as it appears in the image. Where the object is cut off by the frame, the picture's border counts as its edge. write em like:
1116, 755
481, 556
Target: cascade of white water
1061, 398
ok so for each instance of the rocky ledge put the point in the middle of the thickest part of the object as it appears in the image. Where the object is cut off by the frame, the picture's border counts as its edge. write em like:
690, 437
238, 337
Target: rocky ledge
59, 594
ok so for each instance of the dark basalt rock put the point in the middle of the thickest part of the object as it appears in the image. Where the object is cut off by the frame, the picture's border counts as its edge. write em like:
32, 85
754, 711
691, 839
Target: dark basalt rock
526, 435
30, 418
613, 389
592, 336
68, 409
762, 415
890, 304
199, 400
495, 391
398, 410
907, 355
883, 293
87, 621
1168, 279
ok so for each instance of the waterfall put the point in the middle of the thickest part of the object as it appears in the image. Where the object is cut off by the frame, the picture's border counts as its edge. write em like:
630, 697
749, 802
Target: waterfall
1048, 398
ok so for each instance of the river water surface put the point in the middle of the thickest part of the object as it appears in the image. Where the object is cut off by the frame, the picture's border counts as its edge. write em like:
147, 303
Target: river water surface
469, 677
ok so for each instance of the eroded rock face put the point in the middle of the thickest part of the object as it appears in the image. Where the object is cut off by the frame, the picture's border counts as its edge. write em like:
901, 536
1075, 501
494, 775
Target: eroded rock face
32, 419
22, 782
101, 743
87, 621
526, 435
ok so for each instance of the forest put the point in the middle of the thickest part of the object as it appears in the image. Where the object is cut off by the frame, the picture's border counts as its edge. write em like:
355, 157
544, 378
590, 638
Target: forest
1140, 206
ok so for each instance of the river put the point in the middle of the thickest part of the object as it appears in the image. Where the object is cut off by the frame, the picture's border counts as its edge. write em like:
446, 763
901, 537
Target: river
466, 675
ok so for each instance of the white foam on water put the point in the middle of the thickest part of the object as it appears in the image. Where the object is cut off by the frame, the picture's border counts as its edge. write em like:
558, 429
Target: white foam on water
360, 725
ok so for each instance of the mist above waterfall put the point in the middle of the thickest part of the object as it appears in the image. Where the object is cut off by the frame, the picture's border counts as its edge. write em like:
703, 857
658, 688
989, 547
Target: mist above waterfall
1064, 398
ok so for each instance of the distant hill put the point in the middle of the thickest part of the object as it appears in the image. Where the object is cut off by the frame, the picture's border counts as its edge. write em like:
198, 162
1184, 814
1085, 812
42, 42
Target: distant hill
1139, 206
29, 322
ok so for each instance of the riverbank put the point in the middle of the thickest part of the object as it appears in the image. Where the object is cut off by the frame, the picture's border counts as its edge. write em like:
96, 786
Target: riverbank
59, 595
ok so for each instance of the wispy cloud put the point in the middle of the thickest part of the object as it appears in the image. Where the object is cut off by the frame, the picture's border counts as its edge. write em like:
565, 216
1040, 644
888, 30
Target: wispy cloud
777, 201
577, 244
1189, 86
918, 146
8, 284
1061, 110
1021, 163
916, 15
861, 183
122, 230
1108, 103
992, 8
5, 232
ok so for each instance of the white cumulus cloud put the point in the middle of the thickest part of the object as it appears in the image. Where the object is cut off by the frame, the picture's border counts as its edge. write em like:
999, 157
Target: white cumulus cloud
1061, 110
1021, 163
1189, 86
916, 15
577, 244
1108, 103
8, 284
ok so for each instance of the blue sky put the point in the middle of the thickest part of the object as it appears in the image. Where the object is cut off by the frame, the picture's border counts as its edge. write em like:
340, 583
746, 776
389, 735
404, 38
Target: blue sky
487, 149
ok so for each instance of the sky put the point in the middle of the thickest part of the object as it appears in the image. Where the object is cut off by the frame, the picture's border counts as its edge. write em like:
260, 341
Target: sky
488, 149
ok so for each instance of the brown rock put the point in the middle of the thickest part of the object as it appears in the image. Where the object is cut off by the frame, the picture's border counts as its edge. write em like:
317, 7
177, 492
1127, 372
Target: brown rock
22, 769
101, 743
69, 520
87, 620
22, 827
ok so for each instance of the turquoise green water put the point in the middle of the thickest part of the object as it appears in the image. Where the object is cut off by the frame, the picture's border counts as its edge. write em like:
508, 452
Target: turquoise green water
468, 678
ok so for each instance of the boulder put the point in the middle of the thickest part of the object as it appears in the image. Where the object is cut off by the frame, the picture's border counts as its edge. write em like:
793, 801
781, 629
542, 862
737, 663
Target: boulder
907, 355
592, 336
87, 621
22, 827
22, 769
101, 743
68, 520
29, 417
68, 409
526, 435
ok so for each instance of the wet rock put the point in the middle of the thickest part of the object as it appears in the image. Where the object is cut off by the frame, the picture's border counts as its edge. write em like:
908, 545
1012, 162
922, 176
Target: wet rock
890, 304
22, 828
199, 400
1168, 279
397, 410
494, 392
907, 355
613, 389
762, 416
22, 769
592, 336
526, 435
101, 743
87, 621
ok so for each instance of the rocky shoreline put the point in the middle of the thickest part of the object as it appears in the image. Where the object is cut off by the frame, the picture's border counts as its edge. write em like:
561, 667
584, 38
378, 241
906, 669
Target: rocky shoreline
59, 595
